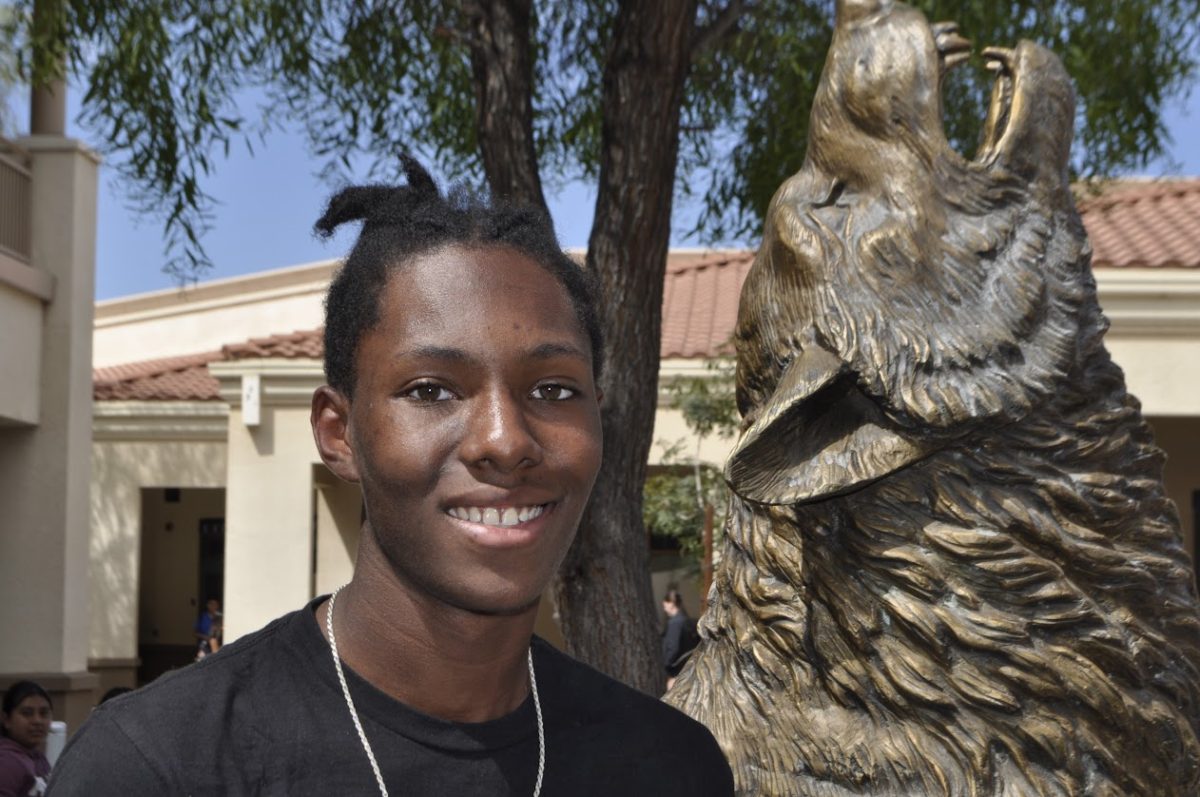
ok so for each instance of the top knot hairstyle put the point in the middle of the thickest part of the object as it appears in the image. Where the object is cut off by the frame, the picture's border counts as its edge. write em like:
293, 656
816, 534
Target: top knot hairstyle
402, 222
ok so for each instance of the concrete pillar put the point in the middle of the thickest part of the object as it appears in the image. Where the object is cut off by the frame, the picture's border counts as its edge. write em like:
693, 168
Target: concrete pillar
269, 500
45, 468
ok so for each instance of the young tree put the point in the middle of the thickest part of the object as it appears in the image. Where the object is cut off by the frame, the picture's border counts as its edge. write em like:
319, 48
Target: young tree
686, 500
642, 97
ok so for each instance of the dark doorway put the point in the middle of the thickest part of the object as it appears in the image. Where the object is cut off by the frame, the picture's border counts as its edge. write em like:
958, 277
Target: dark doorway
212, 560
1195, 529
182, 566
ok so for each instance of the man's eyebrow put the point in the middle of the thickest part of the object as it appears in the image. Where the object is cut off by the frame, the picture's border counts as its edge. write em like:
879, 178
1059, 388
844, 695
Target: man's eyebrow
434, 353
543, 351
547, 351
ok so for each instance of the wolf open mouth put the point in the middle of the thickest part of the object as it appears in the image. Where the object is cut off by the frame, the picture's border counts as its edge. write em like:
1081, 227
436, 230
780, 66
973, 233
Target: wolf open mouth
954, 50
1011, 89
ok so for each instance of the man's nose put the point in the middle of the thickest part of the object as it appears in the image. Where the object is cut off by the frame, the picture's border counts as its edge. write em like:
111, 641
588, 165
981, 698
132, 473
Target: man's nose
499, 433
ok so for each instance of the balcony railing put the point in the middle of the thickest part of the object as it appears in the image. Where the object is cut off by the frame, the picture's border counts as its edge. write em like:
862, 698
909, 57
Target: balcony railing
15, 198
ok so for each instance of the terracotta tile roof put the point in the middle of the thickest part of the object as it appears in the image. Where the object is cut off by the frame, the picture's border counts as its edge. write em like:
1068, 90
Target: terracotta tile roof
295, 345
187, 378
169, 379
700, 302
1144, 224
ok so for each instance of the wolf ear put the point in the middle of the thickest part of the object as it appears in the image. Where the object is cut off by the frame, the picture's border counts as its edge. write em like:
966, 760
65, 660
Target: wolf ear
817, 436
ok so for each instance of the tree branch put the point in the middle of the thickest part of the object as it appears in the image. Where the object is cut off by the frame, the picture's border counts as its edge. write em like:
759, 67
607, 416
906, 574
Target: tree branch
723, 24
502, 64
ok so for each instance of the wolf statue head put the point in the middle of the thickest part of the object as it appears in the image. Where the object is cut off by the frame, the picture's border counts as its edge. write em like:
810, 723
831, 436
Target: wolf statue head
950, 567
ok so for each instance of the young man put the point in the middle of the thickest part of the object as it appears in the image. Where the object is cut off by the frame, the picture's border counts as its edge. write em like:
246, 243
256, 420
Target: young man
462, 356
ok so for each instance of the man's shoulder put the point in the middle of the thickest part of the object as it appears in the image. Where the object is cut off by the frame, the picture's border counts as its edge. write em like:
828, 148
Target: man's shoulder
593, 698
237, 666
626, 739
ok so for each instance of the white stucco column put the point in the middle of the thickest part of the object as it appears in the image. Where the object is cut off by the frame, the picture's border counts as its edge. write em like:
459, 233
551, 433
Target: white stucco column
269, 502
45, 467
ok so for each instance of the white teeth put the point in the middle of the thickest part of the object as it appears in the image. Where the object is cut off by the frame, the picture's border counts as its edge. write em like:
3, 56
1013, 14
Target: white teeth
494, 516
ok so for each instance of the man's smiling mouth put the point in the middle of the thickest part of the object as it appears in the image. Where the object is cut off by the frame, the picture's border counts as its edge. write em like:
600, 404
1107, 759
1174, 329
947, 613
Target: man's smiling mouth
497, 515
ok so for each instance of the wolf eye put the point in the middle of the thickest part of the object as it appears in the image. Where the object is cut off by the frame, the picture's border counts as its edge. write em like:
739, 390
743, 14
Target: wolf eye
428, 392
552, 391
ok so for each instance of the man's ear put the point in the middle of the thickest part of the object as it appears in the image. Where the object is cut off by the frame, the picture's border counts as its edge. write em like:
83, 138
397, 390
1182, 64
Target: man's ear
330, 420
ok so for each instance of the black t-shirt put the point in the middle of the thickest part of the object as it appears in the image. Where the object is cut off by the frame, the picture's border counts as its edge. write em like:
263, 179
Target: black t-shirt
266, 716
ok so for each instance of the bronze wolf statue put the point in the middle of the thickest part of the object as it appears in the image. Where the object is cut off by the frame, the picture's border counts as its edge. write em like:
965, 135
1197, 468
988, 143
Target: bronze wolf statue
950, 567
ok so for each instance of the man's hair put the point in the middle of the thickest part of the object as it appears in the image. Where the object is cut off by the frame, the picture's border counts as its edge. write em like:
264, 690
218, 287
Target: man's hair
402, 222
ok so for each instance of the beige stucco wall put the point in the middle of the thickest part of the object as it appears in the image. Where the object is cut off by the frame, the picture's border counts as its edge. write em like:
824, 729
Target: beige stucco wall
1155, 335
20, 355
120, 471
339, 518
669, 427
207, 316
1161, 372
269, 517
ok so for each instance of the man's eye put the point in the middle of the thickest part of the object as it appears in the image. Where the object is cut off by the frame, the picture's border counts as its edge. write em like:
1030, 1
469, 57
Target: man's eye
428, 391
553, 392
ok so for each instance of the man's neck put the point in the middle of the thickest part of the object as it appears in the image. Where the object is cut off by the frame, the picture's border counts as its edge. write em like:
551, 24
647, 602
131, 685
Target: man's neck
444, 661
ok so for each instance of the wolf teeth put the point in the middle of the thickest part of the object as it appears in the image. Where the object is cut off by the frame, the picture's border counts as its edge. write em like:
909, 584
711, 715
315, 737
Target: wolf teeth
952, 48
999, 59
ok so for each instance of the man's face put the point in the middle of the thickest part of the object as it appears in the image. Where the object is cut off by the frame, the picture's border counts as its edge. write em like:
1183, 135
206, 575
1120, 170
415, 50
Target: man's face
475, 427
213, 606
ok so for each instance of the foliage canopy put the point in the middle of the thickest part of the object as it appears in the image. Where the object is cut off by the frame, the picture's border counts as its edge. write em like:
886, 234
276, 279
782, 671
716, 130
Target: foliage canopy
166, 84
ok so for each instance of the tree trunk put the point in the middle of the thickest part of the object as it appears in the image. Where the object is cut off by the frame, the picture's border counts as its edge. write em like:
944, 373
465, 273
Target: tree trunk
502, 62
48, 92
603, 593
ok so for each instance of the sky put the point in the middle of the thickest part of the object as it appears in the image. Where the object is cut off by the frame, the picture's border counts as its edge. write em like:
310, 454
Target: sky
268, 202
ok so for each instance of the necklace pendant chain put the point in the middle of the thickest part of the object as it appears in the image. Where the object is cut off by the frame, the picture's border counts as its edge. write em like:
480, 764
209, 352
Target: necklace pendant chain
362, 735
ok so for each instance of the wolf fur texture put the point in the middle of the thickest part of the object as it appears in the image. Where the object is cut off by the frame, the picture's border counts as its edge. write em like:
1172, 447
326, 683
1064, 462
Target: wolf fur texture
950, 566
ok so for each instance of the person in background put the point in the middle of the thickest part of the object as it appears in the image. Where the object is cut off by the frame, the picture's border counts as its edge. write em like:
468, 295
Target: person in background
24, 769
208, 629
679, 637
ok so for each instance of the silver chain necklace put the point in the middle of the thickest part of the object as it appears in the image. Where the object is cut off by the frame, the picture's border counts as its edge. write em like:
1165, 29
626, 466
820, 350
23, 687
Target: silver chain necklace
362, 735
